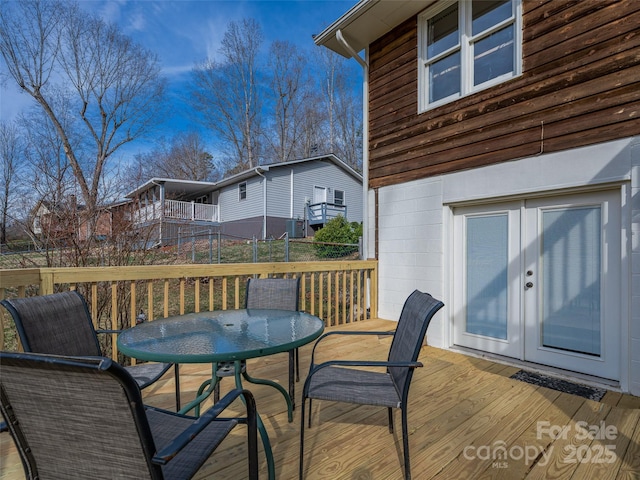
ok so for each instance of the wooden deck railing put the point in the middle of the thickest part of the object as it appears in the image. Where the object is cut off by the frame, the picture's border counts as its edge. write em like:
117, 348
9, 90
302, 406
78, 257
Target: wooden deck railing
338, 292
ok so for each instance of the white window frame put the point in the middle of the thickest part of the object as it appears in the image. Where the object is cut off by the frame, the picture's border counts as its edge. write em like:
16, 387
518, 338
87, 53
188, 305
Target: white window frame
465, 45
343, 200
242, 194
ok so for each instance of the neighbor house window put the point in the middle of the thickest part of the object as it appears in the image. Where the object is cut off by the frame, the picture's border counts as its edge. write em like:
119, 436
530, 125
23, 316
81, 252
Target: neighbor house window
242, 191
467, 46
338, 197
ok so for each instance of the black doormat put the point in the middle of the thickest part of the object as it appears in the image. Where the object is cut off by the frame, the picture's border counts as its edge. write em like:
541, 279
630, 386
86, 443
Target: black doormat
591, 393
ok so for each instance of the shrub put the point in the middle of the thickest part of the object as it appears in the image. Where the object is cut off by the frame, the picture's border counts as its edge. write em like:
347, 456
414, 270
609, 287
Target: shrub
338, 232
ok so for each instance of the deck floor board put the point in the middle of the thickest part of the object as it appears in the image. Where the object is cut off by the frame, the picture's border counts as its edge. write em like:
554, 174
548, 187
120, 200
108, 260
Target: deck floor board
462, 410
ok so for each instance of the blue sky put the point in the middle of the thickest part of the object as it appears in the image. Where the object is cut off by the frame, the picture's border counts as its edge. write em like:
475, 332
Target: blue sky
184, 32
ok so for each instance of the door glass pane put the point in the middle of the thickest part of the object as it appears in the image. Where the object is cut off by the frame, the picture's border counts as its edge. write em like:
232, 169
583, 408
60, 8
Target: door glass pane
571, 244
486, 279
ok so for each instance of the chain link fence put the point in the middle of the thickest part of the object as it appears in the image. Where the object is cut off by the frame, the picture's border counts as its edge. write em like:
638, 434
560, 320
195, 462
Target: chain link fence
199, 247
214, 247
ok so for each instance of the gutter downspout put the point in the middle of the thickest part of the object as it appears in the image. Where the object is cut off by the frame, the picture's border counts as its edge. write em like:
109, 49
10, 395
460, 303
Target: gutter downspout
264, 203
365, 138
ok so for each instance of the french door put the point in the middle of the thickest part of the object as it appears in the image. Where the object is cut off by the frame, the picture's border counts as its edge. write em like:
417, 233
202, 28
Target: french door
539, 280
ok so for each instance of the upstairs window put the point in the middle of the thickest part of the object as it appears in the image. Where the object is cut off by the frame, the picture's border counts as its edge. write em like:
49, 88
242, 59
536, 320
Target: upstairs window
338, 197
466, 46
242, 191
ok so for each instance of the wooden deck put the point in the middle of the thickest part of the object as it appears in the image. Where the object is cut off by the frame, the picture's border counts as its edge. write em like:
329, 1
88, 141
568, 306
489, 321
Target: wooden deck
467, 419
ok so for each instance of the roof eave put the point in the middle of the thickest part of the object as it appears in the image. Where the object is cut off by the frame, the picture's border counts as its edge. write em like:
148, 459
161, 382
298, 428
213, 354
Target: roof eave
367, 21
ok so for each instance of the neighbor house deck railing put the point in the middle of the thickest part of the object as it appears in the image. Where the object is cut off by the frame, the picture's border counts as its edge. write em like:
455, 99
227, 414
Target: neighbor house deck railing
176, 209
321, 213
338, 292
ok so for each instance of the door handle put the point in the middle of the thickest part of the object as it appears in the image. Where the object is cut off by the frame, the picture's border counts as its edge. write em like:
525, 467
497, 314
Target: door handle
529, 284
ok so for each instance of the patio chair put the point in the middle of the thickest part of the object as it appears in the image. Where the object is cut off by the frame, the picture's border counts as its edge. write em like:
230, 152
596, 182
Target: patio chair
60, 324
269, 293
83, 418
332, 381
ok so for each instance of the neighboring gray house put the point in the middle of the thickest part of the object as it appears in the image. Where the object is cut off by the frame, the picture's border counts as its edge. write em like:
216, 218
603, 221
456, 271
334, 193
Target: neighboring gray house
295, 197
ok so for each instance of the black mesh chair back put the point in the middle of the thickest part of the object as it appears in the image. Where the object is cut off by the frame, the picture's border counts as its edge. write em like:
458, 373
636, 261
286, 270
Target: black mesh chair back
417, 312
83, 418
276, 293
60, 324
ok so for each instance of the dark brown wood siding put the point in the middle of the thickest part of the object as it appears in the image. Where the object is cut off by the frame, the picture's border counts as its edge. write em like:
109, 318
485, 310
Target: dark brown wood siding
580, 86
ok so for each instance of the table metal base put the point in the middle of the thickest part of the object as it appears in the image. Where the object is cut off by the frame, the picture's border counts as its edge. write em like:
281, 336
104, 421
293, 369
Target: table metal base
209, 386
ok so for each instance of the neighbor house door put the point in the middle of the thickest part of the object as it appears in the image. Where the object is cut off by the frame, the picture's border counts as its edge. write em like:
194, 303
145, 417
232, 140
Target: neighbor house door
539, 280
319, 194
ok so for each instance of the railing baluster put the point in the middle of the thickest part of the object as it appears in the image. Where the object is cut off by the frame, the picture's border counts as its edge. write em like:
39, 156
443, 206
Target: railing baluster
338, 292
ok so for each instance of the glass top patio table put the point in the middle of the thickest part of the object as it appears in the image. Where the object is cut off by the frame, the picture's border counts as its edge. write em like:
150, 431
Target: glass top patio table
220, 336
223, 336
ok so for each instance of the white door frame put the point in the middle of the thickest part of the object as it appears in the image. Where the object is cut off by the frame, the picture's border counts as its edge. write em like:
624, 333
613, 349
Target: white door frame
610, 365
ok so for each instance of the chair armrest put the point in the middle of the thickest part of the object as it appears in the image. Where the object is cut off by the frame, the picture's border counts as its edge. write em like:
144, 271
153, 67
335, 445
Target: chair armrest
108, 331
354, 363
165, 455
363, 363
342, 332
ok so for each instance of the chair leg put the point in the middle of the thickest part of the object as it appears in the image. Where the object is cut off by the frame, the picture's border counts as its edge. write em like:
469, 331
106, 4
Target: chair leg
216, 391
176, 373
302, 435
405, 444
390, 412
292, 387
309, 413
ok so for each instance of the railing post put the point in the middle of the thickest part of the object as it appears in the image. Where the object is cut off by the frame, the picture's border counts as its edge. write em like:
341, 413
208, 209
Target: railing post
286, 247
210, 246
219, 247
193, 246
46, 282
255, 249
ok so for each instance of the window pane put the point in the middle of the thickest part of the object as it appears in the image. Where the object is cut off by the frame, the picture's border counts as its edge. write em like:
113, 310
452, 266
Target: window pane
443, 31
338, 197
493, 56
487, 280
571, 259
444, 77
487, 13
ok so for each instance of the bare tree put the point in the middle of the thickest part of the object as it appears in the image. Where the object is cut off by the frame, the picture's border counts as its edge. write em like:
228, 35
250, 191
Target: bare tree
51, 179
329, 79
348, 127
185, 157
289, 92
343, 108
11, 156
114, 84
226, 94
312, 134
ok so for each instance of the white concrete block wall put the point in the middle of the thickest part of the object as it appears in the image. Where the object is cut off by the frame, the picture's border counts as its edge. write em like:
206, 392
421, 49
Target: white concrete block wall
634, 347
410, 243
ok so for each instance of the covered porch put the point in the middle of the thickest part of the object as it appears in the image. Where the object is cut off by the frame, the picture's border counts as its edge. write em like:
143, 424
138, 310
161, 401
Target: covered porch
467, 419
